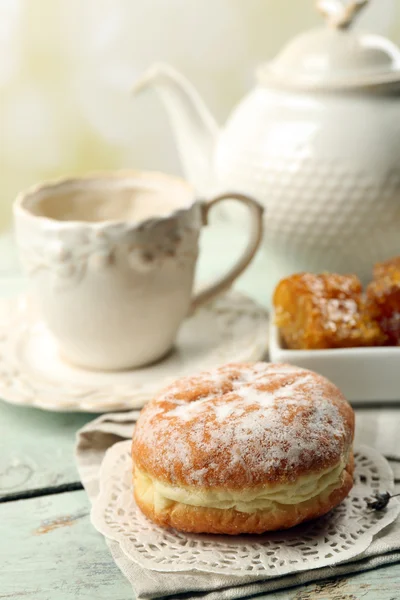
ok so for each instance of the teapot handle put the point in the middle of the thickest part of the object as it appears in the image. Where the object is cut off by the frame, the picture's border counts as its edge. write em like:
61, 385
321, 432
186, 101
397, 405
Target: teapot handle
255, 236
338, 14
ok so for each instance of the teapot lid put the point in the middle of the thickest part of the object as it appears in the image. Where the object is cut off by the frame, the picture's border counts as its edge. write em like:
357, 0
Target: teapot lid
334, 57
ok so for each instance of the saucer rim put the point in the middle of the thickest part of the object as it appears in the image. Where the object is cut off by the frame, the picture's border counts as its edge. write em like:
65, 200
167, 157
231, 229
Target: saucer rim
135, 400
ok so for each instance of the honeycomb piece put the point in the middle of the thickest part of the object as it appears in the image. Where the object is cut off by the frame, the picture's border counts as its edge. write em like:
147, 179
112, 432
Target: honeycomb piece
388, 266
383, 298
324, 311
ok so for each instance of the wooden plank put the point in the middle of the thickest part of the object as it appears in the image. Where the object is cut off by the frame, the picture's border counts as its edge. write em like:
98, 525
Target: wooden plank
37, 448
379, 584
54, 553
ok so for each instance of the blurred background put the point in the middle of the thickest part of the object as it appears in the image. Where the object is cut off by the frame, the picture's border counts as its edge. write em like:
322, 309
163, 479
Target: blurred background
67, 66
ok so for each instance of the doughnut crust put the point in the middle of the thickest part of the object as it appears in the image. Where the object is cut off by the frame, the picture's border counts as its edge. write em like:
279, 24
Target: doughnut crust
246, 448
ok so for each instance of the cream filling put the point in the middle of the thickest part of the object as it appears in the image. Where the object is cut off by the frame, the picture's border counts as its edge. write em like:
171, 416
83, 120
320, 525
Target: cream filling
163, 495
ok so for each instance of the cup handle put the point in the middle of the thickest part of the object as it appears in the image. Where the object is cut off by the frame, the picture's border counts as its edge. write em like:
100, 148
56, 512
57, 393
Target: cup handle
256, 232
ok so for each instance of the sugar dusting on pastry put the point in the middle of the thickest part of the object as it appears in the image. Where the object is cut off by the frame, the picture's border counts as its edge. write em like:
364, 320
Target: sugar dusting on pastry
243, 426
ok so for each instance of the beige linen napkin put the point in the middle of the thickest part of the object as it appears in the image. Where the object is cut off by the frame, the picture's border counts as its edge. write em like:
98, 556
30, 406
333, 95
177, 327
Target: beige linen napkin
375, 427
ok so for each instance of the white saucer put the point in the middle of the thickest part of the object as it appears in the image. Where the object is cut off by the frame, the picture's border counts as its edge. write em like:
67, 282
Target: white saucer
232, 328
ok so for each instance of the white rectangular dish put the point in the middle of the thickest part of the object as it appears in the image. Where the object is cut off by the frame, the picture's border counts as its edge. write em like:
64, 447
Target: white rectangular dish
363, 374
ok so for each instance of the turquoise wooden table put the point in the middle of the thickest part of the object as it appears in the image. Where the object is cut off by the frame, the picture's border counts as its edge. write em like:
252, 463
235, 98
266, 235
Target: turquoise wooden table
48, 548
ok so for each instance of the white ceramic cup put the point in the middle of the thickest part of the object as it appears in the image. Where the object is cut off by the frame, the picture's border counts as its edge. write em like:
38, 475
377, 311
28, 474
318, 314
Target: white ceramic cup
111, 259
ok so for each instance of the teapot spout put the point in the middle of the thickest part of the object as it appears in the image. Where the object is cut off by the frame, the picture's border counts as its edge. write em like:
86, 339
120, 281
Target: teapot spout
194, 127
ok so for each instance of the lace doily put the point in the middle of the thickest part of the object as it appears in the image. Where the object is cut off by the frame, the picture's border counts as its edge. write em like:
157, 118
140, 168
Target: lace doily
337, 537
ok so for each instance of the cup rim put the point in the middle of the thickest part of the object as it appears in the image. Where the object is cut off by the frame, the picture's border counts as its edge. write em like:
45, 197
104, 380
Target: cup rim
20, 208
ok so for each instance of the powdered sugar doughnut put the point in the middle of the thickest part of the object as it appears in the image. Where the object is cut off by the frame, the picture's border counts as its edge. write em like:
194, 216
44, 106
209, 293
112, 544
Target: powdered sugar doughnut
245, 448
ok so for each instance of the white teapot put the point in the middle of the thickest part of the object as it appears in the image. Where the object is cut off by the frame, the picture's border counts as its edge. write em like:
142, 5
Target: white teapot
317, 141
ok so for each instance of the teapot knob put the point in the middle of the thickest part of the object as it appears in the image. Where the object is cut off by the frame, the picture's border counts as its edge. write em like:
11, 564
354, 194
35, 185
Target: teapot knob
340, 13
